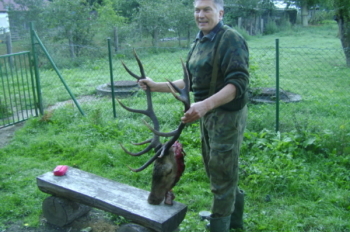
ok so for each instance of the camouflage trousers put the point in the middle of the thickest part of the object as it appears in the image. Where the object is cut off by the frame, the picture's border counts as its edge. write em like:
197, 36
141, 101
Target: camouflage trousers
222, 135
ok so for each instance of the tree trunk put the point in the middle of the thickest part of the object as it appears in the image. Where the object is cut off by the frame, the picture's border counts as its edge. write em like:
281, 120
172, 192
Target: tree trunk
71, 45
155, 35
116, 39
9, 47
344, 33
304, 14
188, 36
59, 211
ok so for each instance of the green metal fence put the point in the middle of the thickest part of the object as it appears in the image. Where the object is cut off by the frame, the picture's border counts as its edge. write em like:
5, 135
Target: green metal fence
17, 89
312, 83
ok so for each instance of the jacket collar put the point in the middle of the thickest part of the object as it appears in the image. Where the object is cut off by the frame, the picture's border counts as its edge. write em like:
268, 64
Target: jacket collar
211, 34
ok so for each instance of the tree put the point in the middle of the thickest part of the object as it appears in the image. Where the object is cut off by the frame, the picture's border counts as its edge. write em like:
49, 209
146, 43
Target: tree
72, 21
305, 6
342, 16
183, 20
127, 8
24, 12
153, 18
109, 19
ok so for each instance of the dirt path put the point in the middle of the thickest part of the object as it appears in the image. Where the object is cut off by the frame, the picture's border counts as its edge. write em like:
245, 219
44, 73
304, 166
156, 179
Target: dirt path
7, 133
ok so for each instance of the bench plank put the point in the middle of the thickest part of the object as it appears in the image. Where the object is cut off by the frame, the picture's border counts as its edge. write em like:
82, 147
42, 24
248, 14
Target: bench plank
114, 197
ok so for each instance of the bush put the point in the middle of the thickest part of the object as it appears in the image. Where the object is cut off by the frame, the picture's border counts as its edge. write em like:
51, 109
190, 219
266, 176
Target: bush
270, 28
321, 16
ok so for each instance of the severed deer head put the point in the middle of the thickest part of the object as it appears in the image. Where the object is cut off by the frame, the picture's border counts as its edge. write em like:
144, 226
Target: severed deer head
169, 157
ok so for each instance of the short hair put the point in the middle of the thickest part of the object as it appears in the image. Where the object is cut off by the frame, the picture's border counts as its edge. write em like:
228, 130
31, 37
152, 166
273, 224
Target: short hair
219, 4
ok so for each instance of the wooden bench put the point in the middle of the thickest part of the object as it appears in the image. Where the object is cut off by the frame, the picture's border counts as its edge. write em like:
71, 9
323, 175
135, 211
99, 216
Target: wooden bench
85, 188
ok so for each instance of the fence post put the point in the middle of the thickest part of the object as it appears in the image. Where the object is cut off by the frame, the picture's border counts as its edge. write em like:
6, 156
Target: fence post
111, 75
9, 46
36, 70
277, 85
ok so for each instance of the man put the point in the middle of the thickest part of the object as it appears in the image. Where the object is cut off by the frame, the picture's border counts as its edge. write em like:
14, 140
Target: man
220, 96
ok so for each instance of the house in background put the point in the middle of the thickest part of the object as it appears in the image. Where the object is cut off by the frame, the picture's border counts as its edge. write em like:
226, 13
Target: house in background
4, 18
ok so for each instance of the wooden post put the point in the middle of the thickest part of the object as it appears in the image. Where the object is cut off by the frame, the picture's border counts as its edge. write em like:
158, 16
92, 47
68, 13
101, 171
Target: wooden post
262, 25
9, 47
116, 39
59, 211
240, 22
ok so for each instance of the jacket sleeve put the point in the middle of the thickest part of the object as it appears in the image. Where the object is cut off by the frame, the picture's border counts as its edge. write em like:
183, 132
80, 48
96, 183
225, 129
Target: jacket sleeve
234, 60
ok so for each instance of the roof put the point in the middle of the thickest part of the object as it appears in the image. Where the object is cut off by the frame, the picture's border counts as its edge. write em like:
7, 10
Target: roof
4, 4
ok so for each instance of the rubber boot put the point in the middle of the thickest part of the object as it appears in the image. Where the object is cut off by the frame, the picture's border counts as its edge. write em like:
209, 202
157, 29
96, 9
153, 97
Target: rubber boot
237, 215
220, 224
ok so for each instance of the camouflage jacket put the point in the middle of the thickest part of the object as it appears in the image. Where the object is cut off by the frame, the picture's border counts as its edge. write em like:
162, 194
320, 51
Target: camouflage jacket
233, 55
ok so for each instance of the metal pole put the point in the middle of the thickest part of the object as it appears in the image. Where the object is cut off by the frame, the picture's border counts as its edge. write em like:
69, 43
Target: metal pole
36, 70
111, 75
277, 85
58, 73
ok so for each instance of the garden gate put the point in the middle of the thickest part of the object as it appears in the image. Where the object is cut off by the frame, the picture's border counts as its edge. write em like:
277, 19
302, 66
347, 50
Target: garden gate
18, 95
20, 90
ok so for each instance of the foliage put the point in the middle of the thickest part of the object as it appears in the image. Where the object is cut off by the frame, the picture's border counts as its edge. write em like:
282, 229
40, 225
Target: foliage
73, 21
25, 12
153, 19
157, 19
4, 111
320, 17
184, 25
270, 27
301, 3
108, 16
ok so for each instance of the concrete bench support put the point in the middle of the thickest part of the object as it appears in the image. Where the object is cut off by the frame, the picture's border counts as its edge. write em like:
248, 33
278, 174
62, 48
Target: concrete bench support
121, 199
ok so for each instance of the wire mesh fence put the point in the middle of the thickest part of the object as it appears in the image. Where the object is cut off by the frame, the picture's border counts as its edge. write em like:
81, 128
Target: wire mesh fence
313, 83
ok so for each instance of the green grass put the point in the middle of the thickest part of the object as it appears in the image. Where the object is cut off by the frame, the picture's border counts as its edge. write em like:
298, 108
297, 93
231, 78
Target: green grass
307, 183
296, 180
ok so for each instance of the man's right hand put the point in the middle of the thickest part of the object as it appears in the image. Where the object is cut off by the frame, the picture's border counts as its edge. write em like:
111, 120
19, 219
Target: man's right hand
143, 83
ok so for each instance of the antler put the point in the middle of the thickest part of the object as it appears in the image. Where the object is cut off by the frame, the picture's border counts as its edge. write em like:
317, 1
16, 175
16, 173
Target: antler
154, 142
185, 99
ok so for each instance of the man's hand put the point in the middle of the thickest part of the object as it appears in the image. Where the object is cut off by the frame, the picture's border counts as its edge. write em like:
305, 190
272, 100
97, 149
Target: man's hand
143, 83
195, 112
199, 109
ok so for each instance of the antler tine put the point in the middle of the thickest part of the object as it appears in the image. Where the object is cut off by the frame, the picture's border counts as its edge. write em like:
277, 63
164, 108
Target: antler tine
184, 96
138, 153
143, 76
149, 162
162, 134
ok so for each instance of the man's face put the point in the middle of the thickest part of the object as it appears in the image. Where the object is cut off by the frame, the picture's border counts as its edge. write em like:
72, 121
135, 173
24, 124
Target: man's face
206, 15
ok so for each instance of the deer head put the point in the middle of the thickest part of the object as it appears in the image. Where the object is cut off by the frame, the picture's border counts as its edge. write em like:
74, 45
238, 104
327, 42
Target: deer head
169, 157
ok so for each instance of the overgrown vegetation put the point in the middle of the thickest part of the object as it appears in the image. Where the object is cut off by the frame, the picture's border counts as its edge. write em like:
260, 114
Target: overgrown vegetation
295, 181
